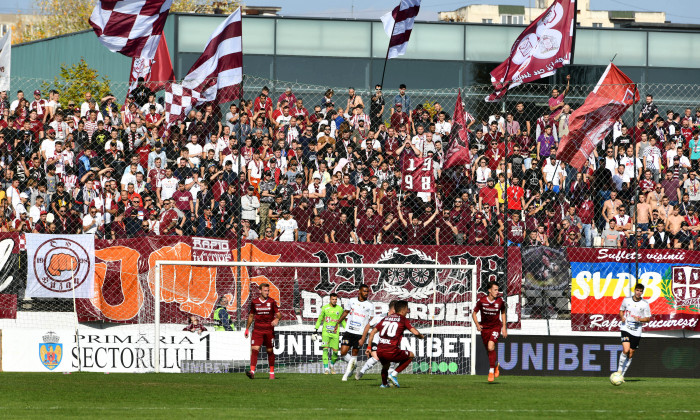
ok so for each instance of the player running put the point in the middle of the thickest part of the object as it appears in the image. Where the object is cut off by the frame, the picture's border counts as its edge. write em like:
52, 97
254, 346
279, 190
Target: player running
634, 311
359, 311
390, 330
329, 316
266, 314
373, 352
492, 326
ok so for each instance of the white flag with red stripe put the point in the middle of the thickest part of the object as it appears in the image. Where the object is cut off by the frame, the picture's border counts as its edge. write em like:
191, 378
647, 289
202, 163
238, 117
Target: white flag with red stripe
398, 25
216, 76
130, 27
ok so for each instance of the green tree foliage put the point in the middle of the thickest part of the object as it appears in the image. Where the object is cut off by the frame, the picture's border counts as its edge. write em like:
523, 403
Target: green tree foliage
74, 80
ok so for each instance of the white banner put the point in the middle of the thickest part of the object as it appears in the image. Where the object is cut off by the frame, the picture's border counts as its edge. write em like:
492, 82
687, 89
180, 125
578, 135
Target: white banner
60, 266
120, 349
5, 47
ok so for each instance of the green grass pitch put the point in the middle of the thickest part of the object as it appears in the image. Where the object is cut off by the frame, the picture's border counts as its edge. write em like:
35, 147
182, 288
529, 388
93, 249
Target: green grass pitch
310, 396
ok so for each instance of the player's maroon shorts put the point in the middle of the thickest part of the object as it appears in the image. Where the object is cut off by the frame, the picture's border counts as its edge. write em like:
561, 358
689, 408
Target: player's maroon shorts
393, 355
263, 338
491, 334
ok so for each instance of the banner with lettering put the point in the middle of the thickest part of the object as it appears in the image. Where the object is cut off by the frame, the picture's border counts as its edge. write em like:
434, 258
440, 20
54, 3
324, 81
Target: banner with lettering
125, 279
602, 278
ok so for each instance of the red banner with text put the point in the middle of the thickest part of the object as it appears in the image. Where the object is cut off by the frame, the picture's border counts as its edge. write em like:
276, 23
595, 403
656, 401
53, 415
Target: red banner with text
125, 278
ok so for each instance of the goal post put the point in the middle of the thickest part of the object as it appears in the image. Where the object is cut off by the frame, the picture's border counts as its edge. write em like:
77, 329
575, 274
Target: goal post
441, 306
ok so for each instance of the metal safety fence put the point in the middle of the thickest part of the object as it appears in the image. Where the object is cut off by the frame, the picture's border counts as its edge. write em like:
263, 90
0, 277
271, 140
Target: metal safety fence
327, 167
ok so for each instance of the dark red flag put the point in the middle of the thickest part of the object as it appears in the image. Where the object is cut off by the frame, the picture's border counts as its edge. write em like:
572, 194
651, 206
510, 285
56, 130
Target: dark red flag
590, 123
543, 47
417, 175
458, 147
156, 72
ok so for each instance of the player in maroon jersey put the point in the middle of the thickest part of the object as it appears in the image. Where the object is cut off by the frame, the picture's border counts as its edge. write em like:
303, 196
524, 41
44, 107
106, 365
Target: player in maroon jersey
390, 330
493, 324
266, 314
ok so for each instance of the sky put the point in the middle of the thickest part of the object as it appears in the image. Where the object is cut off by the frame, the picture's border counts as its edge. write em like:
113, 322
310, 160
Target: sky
677, 11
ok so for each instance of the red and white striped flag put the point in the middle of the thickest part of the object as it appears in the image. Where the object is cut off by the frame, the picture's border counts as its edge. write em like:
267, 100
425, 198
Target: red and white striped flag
398, 25
217, 75
544, 46
130, 27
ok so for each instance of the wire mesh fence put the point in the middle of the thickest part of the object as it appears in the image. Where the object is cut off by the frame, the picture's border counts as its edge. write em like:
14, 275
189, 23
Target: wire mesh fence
326, 167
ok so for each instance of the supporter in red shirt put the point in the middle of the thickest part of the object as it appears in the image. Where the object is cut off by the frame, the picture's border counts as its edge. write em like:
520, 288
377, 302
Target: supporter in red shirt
488, 195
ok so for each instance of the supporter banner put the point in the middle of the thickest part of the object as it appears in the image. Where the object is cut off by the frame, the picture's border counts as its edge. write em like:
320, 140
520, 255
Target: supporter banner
60, 266
602, 277
418, 175
12, 272
592, 356
124, 279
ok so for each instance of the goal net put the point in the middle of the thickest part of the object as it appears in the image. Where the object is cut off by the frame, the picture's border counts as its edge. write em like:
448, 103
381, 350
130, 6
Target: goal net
440, 297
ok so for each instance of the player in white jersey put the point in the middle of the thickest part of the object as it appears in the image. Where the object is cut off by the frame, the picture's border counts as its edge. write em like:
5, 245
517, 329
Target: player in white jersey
634, 311
358, 312
374, 359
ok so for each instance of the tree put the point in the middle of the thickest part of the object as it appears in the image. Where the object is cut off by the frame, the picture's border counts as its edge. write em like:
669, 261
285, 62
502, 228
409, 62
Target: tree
59, 17
73, 81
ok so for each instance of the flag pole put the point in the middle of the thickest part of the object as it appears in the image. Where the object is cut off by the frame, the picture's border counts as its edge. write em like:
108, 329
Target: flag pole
386, 58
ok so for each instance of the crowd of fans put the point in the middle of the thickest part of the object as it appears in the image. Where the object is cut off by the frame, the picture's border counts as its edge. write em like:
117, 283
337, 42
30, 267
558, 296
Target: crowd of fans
329, 170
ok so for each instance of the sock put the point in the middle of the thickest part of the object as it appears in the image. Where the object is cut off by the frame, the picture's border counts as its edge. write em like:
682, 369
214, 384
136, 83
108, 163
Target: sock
626, 365
334, 356
621, 364
402, 366
253, 360
271, 362
349, 368
368, 365
325, 358
492, 359
347, 357
385, 375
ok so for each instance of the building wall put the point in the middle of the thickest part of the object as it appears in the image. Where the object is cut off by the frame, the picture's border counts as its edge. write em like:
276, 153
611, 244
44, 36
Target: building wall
342, 53
484, 13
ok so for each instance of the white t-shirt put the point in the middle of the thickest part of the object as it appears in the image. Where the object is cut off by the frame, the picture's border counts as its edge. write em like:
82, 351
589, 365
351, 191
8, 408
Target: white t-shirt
638, 309
360, 313
48, 146
195, 149
88, 219
168, 186
286, 228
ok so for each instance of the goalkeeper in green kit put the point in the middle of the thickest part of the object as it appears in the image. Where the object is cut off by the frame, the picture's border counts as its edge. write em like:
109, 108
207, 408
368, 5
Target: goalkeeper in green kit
329, 316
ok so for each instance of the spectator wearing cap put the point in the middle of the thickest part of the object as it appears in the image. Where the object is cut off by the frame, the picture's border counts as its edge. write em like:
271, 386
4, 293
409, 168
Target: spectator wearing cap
287, 229
399, 118
317, 193
287, 96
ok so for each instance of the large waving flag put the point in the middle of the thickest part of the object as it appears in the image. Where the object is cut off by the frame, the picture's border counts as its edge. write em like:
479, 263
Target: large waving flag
458, 147
217, 75
398, 25
156, 73
543, 47
5, 56
130, 27
589, 124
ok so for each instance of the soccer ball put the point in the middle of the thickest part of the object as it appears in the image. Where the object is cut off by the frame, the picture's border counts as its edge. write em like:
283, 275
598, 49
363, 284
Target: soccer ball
616, 379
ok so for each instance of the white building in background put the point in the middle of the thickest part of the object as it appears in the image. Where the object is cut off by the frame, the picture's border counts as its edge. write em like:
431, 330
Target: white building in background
521, 15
